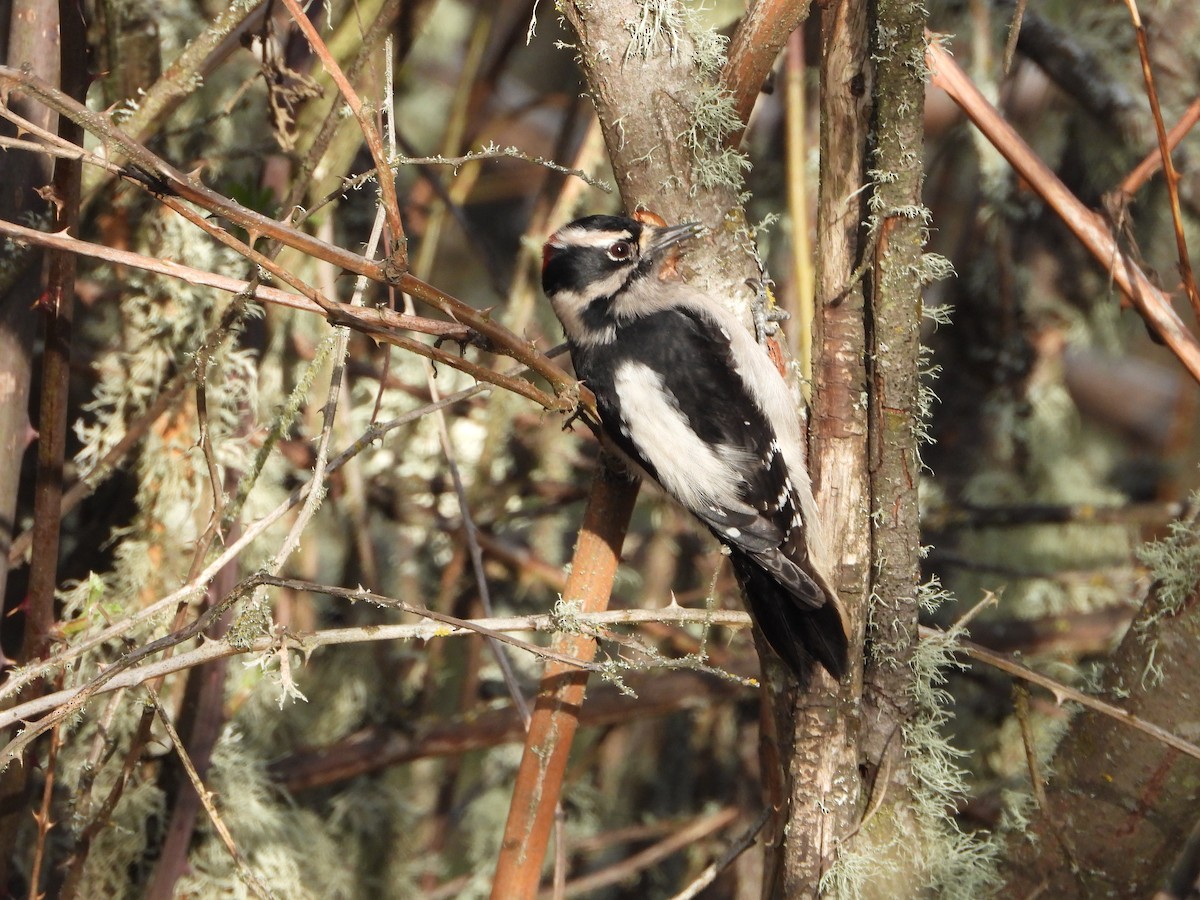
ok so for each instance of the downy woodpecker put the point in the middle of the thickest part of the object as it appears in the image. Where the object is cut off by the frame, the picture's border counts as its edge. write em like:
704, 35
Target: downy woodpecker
687, 394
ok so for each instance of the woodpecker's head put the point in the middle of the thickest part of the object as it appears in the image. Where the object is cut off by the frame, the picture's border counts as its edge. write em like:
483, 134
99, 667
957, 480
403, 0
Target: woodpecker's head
600, 269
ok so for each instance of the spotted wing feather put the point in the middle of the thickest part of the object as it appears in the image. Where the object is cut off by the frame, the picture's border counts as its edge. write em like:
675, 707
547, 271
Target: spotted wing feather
711, 453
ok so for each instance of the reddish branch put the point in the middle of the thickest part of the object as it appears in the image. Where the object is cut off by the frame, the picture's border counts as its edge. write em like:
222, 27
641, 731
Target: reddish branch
759, 37
1087, 225
556, 713
1170, 175
1153, 161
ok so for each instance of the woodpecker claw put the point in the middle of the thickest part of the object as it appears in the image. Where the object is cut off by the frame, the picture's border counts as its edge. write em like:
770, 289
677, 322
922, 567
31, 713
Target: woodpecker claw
766, 313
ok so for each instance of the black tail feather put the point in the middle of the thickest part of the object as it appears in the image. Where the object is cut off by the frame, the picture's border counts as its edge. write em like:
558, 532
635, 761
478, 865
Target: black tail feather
799, 635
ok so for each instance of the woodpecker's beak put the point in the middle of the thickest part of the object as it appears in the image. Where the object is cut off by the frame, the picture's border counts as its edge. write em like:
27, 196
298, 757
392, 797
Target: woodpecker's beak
669, 236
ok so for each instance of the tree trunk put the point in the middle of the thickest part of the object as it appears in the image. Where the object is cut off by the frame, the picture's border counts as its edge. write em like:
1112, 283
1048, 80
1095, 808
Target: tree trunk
821, 740
32, 41
1112, 787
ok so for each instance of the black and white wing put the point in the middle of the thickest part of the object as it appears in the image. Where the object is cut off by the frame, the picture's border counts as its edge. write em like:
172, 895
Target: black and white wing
674, 395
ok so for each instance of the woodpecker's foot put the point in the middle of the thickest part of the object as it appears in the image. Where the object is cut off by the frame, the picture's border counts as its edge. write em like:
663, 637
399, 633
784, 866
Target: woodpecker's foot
582, 414
577, 414
473, 339
766, 313
462, 344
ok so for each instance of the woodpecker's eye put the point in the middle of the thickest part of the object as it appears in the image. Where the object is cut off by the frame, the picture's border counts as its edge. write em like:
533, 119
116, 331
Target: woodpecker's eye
620, 250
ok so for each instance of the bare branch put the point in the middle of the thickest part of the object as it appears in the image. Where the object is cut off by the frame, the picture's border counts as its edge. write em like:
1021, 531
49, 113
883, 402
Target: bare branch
1087, 225
1063, 692
449, 626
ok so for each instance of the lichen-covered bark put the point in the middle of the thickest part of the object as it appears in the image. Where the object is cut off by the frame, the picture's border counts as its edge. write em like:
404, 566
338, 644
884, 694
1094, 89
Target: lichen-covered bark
826, 801
649, 87
866, 463
898, 46
1112, 788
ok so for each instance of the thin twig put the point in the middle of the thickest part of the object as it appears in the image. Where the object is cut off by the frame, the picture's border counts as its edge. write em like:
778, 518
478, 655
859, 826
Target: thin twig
8, 143
449, 626
989, 599
213, 341
1021, 708
249, 877
1063, 692
492, 150
469, 625
42, 816
735, 849
695, 831
1014, 34
559, 884
1152, 162
1170, 175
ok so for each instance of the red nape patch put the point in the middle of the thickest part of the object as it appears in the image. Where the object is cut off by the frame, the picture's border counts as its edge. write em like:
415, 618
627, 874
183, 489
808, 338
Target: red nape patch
649, 218
548, 250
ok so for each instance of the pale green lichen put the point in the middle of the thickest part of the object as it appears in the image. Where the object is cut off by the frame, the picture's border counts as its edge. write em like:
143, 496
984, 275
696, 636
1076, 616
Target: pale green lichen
919, 846
1175, 564
659, 28
678, 31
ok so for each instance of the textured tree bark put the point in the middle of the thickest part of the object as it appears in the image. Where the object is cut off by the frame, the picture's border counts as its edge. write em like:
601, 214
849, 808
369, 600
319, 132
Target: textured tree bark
58, 314
646, 90
1112, 788
893, 333
821, 740
32, 41
645, 105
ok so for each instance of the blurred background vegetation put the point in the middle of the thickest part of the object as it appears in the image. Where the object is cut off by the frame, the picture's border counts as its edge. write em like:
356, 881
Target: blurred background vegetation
1062, 438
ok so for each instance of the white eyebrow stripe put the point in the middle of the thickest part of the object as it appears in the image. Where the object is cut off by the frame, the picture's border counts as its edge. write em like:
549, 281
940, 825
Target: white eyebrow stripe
572, 236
